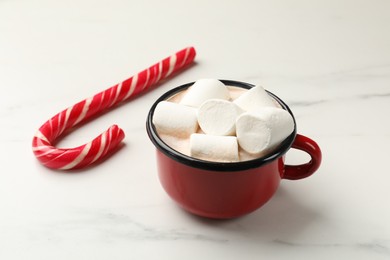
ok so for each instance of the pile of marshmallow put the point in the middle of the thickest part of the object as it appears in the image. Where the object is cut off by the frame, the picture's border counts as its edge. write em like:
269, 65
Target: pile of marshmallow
252, 122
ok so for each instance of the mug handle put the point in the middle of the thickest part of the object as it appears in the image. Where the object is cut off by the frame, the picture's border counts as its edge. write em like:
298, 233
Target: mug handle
296, 172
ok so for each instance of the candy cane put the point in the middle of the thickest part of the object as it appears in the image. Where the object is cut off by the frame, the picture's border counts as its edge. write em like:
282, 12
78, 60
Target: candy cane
86, 154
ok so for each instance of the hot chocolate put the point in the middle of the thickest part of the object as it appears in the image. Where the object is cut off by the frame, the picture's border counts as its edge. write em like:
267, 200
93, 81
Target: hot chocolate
200, 142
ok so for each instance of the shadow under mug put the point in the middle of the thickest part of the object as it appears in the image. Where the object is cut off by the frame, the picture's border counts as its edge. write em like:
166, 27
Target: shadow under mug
227, 190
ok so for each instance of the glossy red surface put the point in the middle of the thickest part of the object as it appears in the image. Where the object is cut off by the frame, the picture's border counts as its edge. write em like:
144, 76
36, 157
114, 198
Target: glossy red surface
217, 194
295, 172
229, 194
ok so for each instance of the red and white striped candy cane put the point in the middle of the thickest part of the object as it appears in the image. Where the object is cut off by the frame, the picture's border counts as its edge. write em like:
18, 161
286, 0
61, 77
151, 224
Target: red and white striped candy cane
86, 154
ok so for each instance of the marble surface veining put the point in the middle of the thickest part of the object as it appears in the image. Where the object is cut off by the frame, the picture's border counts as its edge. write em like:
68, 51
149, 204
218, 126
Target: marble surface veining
328, 60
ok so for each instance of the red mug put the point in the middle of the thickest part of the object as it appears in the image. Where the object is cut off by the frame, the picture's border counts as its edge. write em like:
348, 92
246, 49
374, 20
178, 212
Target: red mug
227, 190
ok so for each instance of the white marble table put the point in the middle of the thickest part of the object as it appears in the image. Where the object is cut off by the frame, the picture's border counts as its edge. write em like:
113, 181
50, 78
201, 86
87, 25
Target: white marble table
329, 60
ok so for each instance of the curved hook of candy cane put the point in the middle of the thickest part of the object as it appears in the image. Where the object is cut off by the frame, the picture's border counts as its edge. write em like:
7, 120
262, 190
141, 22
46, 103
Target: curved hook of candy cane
108, 141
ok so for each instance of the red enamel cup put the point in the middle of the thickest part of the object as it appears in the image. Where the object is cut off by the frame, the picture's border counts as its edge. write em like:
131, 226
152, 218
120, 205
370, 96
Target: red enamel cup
228, 190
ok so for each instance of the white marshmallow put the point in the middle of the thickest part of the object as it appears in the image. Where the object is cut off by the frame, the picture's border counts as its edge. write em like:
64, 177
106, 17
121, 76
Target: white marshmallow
218, 117
175, 119
254, 98
214, 148
263, 129
203, 90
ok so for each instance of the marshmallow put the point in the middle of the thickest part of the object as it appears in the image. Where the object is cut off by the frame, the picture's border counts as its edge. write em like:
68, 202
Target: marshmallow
214, 148
175, 119
218, 117
203, 90
254, 98
263, 129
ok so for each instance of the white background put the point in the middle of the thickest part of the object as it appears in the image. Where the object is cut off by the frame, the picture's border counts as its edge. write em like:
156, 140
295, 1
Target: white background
328, 60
